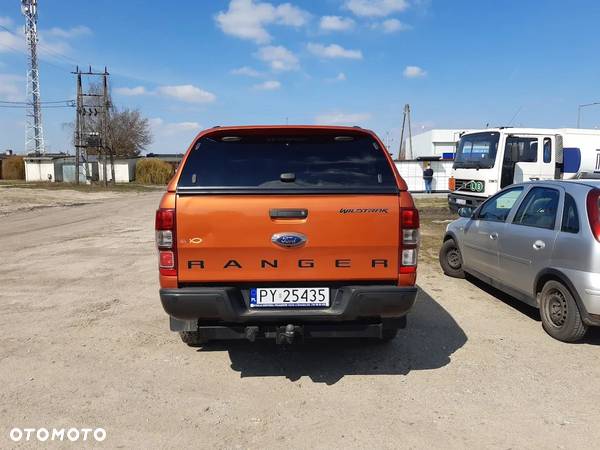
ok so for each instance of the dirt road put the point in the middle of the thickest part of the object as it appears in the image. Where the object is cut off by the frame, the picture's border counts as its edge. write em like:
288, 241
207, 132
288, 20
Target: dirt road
84, 343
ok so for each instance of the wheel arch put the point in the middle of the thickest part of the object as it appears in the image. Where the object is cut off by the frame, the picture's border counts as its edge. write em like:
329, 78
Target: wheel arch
450, 235
554, 274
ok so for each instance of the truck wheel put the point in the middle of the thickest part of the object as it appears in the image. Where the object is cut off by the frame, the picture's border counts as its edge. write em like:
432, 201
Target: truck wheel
192, 338
560, 315
451, 259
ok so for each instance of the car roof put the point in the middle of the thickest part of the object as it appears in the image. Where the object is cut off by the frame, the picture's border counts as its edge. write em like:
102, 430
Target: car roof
565, 183
287, 128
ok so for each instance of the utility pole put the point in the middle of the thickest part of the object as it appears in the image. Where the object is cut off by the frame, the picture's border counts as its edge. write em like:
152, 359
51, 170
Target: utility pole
93, 133
79, 127
107, 141
34, 135
405, 119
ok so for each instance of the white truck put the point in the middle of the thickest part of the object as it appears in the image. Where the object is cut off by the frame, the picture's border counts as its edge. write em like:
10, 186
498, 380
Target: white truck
491, 159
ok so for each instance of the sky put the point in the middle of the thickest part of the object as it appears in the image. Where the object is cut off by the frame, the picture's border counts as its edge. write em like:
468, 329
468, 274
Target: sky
190, 65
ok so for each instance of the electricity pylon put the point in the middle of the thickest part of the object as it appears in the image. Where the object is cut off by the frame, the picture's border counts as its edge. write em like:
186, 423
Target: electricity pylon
34, 135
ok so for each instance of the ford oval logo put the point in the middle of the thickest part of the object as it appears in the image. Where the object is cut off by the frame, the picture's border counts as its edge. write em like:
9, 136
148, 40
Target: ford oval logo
289, 240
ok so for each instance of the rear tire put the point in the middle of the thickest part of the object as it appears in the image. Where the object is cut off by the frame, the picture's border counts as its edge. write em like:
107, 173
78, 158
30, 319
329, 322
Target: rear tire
390, 328
192, 338
451, 259
559, 312
388, 334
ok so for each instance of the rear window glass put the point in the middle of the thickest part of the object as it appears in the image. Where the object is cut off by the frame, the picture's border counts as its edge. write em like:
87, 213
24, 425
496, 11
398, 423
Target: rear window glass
328, 162
570, 221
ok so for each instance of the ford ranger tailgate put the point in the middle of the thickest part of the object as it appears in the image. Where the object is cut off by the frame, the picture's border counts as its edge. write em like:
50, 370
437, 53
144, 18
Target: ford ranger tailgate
331, 237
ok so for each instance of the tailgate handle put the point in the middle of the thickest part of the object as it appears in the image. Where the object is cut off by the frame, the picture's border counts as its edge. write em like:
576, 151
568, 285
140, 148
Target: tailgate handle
288, 213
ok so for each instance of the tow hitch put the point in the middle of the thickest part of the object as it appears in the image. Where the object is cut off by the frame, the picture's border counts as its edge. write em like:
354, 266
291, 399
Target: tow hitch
288, 334
284, 334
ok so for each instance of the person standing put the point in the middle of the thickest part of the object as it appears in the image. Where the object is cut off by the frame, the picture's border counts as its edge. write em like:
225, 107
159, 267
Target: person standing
428, 178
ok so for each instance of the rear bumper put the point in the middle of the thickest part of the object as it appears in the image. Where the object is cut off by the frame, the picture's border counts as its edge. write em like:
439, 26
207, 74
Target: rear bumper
231, 305
457, 201
587, 287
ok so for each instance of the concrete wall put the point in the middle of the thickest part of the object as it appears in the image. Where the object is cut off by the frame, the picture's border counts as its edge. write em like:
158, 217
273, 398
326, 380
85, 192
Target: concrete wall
412, 172
124, 170
38, 170
68, 171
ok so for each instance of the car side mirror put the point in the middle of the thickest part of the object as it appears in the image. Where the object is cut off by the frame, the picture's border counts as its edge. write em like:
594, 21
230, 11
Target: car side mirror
465, 212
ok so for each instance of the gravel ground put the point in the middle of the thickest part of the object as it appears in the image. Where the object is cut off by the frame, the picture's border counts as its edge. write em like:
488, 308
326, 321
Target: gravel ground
15, 199
84, 343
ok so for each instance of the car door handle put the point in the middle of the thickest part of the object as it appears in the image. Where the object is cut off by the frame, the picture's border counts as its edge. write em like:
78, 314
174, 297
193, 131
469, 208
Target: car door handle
539, 245
493, 236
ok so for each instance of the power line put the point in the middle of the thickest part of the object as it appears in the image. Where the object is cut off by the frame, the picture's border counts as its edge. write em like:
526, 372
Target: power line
41, 106
48, 102
55, 53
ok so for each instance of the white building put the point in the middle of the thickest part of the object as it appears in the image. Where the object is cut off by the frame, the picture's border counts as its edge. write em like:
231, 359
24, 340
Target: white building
46, 167
433, 143
124, 170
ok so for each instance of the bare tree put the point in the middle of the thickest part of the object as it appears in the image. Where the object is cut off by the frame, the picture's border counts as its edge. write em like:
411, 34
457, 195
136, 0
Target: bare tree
128, 132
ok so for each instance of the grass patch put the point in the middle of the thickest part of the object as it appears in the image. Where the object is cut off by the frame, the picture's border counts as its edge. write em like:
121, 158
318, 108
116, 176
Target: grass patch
153, 171
95, 187
13, 168
434, 215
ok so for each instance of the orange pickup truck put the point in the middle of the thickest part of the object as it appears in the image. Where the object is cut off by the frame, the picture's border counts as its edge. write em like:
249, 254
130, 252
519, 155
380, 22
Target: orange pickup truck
287, 232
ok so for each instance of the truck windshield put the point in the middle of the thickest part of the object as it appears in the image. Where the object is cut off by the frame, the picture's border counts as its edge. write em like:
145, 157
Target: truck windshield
477, 150
288, 163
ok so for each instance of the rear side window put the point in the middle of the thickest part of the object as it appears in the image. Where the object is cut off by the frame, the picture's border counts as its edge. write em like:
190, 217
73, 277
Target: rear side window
570, 219
538, 208
265, 163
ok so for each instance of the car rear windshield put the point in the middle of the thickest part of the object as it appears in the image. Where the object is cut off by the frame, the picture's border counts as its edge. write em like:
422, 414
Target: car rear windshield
288, 163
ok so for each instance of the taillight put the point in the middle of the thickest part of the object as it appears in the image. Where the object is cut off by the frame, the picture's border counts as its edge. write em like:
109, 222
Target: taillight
593, 210
409, 239
451, 184
165, 219
165, 241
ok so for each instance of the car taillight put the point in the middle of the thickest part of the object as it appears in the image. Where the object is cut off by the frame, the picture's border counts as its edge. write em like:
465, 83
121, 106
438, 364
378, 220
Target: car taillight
593, 210
451, 184
165, 241
409, 239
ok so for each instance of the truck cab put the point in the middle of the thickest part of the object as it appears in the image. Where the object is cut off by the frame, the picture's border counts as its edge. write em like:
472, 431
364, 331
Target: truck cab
489, 160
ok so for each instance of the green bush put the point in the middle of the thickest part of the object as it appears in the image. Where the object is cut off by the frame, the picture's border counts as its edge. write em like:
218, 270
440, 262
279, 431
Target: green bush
13, 168
153, 171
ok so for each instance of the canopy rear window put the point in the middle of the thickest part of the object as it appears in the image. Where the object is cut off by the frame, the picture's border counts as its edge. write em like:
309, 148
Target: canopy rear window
325, 162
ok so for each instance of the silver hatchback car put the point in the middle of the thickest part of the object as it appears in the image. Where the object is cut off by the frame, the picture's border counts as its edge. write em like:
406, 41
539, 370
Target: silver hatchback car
539, 242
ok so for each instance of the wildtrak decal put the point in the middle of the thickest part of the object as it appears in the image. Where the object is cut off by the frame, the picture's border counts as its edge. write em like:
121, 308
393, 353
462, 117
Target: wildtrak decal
364, 210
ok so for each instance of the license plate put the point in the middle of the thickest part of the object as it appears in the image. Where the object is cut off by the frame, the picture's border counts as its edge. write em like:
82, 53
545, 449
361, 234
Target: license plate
289, 297
460, 201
